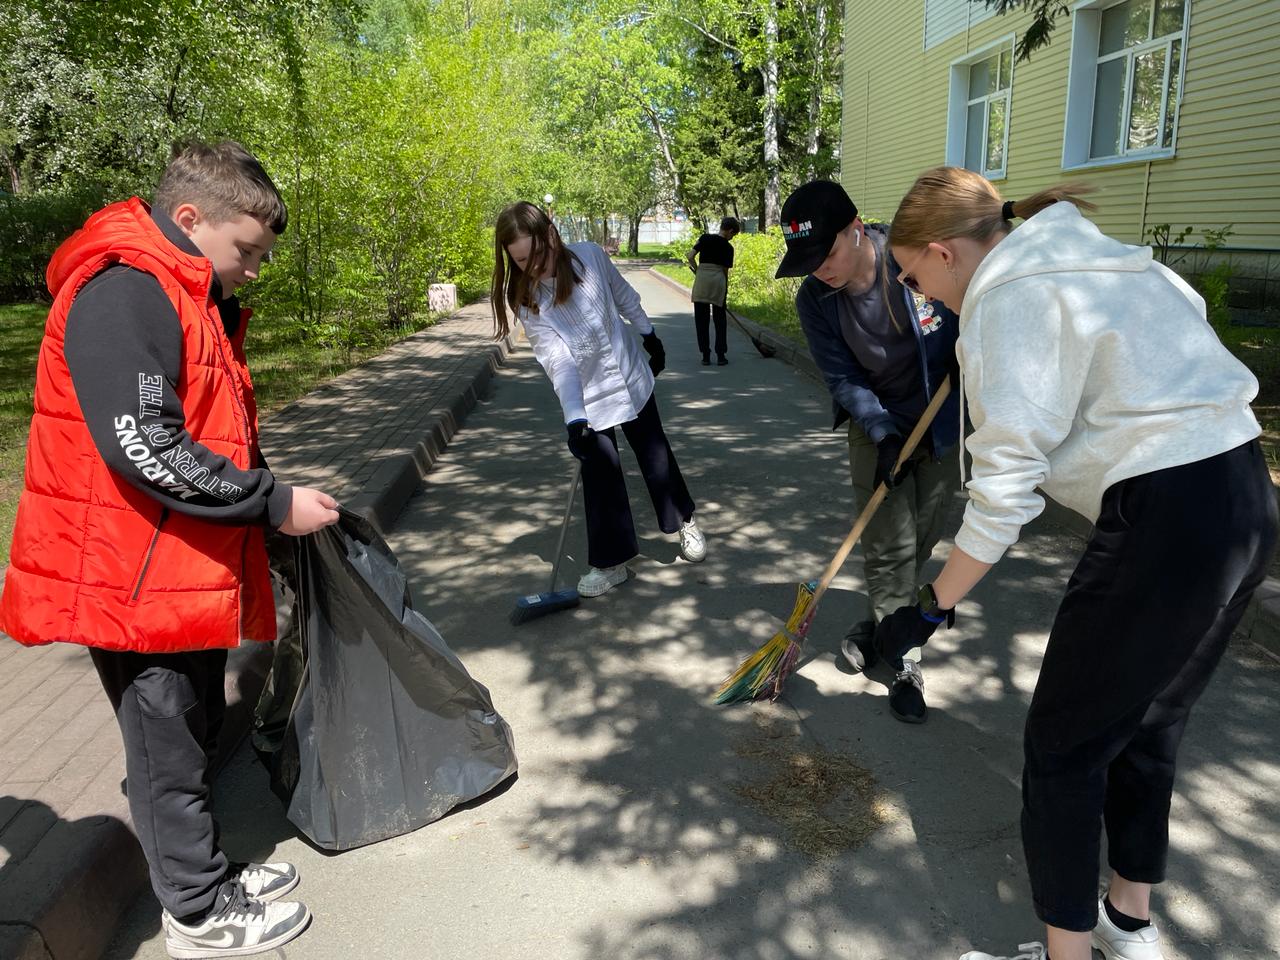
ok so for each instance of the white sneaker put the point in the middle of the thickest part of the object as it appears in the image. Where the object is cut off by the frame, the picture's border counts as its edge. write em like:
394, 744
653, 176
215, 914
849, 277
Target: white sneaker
1117, 944
1035, 951
693, 545
265, 881
597, 581
241, 928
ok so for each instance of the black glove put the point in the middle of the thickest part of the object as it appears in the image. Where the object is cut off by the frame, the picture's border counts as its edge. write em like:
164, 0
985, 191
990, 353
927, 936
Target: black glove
657, 354
905, 628
887, 451
582, 439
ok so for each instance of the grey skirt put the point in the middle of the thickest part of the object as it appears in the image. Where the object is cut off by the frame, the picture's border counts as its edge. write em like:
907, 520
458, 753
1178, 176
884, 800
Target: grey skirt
711, 285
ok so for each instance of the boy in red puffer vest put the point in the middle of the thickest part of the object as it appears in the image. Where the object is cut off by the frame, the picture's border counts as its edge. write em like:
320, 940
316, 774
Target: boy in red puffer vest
140, 531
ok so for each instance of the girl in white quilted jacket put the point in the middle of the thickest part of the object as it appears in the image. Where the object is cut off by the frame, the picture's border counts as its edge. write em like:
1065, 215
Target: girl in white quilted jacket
1091, 374
572, 301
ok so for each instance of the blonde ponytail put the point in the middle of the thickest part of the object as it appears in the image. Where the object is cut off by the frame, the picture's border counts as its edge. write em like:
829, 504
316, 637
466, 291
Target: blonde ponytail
948, 202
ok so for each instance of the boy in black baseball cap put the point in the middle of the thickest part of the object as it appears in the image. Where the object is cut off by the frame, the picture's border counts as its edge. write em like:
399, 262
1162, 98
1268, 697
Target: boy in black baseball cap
882, 353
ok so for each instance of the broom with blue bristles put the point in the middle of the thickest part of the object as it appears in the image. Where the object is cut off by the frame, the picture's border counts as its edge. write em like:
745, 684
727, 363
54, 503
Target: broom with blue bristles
764, 672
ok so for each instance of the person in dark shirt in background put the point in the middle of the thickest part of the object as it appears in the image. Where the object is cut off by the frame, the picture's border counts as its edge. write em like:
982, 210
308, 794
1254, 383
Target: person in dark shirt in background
714, 255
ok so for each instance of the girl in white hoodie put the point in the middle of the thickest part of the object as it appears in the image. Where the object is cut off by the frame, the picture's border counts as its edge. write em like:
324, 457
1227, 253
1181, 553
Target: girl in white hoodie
1092, 374
572, 301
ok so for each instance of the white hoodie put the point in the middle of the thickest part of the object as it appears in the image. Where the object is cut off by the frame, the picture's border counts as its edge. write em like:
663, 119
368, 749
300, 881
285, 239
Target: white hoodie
1085, 362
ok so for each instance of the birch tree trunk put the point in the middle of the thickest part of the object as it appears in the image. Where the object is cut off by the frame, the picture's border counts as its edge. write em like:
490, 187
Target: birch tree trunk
773, 186
817, 80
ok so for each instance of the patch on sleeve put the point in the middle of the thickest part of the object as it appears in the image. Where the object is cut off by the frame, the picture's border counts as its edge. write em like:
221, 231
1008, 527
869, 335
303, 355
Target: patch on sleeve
929, 319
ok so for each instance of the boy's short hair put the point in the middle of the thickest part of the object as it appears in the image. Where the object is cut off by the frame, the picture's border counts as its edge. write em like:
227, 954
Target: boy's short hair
225, 181
731, 223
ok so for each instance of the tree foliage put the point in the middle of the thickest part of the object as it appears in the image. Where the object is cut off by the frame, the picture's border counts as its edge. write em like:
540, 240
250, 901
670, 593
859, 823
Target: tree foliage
397, 128
1044, 15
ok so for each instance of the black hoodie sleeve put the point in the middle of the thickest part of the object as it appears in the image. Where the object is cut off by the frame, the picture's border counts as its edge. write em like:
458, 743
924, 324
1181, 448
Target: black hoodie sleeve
123, 347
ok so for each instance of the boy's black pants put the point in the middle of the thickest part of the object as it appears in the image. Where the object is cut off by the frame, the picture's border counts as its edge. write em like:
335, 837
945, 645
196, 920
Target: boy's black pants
1167, 575
611, 531
170, 708
702, 315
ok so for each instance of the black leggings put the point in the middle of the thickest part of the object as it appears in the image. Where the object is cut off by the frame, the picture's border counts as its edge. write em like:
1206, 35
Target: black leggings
1173, 560
611, 531
702, 314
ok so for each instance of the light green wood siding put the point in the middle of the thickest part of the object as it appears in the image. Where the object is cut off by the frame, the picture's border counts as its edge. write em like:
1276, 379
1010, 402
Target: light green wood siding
1227, 166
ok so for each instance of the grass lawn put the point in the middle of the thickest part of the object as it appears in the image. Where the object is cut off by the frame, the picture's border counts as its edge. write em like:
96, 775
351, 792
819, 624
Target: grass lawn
645, 251
21, 326
285, 366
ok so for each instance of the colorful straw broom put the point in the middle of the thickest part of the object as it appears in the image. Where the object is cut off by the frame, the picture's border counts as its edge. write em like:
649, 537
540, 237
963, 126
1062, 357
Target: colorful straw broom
764, 672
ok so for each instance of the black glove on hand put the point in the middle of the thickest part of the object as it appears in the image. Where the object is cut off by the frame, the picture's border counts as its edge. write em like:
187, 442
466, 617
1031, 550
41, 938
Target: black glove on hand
887, 451
905, 628
657, 354
581, 439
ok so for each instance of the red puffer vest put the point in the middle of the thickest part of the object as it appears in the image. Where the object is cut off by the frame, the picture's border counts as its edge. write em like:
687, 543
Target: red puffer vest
95, 560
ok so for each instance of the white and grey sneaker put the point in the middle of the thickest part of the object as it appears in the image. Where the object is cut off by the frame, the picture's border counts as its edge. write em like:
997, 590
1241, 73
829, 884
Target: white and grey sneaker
693, 545
597, 581
1035, 951
264, 881
240, 928
858, 646
1117, 944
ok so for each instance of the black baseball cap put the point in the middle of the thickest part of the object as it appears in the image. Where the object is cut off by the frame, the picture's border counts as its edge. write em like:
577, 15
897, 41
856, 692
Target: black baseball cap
811, 218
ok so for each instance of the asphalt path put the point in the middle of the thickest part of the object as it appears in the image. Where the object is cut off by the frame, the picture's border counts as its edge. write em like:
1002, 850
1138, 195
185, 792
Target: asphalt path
648, 823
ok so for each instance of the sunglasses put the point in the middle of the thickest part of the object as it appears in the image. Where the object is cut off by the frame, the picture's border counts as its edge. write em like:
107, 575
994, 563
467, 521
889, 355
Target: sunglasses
907, 279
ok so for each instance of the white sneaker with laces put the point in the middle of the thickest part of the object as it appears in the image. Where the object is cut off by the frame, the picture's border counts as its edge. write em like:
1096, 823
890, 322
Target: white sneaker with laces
1035, 951
693, 545
1117, 944
264, 881
241, 928
597, 581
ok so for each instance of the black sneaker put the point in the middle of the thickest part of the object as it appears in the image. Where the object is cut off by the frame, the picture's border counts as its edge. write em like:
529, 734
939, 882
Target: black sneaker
906, 696
706, 359
238, 927
722, 361
858, 645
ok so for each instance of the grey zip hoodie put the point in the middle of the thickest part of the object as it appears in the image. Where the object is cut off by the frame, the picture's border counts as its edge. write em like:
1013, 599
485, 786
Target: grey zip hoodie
1084, 362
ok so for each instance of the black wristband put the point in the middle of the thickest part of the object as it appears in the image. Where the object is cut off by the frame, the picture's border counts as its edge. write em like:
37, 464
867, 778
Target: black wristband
931, 610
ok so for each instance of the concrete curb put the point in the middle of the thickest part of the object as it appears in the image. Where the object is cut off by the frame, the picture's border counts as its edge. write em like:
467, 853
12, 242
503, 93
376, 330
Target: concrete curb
389, 489
1261, 623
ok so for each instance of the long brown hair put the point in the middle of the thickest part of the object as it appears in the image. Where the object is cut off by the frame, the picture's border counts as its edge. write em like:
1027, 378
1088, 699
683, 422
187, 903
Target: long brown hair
511, 287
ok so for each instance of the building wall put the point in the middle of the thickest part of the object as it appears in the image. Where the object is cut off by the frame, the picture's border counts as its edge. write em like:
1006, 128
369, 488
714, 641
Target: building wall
1227, 166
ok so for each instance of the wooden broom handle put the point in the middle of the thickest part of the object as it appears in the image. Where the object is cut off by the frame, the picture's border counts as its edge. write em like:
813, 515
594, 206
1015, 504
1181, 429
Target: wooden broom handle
882, 491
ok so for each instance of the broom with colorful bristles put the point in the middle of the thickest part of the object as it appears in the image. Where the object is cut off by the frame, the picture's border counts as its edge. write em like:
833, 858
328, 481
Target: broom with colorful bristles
764, 672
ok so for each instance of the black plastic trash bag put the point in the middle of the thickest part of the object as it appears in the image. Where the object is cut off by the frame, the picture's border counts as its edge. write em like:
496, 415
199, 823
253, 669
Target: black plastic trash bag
369, 725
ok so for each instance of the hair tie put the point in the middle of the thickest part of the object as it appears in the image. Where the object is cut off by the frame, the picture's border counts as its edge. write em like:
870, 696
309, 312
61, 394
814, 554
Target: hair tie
1006, 212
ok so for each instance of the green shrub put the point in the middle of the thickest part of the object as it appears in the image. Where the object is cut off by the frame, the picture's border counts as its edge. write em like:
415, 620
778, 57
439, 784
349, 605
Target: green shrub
33, 227
1215, 288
